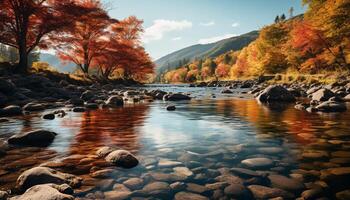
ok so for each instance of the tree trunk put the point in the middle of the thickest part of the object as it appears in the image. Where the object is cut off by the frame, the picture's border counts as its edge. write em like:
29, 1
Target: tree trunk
22, 66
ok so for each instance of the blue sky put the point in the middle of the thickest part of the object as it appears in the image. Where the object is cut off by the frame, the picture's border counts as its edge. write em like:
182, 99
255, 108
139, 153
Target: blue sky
172, 25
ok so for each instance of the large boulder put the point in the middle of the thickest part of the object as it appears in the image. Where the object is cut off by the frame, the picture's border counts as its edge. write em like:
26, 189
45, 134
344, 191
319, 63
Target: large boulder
122, 158
322, 95
44, 175
276, 93
331, 106
43, 192
33, 138
176, 97
11, 111
7, 87
114, 100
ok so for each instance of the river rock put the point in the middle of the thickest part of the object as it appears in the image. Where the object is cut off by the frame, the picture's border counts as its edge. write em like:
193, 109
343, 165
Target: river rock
331, 106
170, 108
176, 97
114, 101
200, 189
336, 177
226, 91
78, 109
178, 186
285, 183
313, 193
33, 138
49, 116
168, 163
7, 87
258, 162
87, 95
33, 107
347, 98
3, 195
343, 195
263, 192
43, 175
157, 189
104, 151
270, 150
134, 183
236, 191
122, 158
183, 171
43, 192
276, 93
189, 196
322, 95
245, 173
11, 111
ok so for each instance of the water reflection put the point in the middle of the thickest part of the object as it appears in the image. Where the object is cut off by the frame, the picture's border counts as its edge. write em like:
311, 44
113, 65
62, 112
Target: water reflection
222, 131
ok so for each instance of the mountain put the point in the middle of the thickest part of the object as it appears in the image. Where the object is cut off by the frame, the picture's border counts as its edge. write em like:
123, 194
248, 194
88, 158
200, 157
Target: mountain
56, 63
200, 51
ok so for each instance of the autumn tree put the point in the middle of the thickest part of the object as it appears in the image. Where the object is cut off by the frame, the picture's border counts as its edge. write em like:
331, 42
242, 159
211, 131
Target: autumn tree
26, 24
123, 50
85, 41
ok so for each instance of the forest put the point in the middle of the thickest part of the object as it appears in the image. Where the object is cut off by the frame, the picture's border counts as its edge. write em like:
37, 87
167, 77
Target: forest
316, 42
78, 31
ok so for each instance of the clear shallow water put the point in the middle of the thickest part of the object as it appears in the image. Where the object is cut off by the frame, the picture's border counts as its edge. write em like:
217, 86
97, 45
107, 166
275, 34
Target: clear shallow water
205, 132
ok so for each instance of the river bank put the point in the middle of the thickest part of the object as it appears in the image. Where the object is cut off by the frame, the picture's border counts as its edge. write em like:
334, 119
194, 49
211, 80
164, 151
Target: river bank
115, 142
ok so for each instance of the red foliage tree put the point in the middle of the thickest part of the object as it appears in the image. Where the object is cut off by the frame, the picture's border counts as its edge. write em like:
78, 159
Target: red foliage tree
123, 50
86, 40
25, 24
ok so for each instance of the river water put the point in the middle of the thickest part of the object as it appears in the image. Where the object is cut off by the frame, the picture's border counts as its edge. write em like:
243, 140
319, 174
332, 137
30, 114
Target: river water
207, 135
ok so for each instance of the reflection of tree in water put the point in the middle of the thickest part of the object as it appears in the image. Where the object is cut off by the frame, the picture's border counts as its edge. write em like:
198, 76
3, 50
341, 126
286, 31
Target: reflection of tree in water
277, 119
110, 127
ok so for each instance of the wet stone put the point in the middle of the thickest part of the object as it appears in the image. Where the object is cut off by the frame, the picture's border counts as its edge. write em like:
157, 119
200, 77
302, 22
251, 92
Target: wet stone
236, 191
200, 189
104, 151
246, 173
343, 195
168, 163
33, 138
286, 183
122, 158
189, 196
270, 150
183, 171
263, 192
258, 162
178, 186
134, 183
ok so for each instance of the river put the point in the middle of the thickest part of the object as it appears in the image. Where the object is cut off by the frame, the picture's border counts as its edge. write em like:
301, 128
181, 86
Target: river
208, 136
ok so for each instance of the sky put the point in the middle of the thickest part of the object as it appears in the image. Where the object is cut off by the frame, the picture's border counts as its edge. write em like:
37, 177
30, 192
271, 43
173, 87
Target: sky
171, 25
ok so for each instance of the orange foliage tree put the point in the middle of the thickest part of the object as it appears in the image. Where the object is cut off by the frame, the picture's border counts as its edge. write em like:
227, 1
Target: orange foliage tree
86, 39
123, 50
26, 24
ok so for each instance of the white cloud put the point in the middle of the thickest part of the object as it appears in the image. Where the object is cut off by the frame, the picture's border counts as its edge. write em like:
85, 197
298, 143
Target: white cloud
211, 23
236, 24
215, 39
162, 26
176, 38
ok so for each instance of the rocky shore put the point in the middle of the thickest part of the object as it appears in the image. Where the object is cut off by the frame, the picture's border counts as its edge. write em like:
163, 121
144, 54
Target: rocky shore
114, 173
